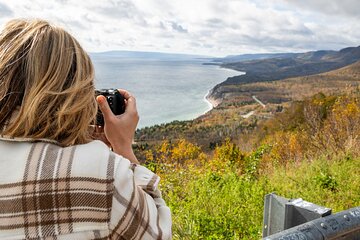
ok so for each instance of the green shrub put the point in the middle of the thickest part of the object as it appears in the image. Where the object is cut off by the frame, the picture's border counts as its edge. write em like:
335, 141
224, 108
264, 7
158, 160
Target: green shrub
326, 181
212, 205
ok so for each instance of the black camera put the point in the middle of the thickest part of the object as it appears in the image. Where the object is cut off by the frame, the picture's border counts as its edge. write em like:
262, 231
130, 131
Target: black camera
115, 100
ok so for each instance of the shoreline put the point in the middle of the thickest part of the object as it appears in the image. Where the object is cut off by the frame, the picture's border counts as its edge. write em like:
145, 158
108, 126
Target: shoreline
210, 101
210, 105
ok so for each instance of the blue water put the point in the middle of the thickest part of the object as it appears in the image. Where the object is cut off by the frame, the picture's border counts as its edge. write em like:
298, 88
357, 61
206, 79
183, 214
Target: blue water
165, 90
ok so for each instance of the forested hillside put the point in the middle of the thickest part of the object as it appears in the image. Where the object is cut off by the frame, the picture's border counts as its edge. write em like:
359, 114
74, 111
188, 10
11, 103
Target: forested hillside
239, 113
302, 141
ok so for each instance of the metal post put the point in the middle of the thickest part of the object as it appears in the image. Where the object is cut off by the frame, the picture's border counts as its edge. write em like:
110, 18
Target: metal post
281, 213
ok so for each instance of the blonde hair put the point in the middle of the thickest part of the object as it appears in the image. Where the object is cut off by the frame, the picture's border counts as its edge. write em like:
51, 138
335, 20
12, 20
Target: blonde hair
49, 78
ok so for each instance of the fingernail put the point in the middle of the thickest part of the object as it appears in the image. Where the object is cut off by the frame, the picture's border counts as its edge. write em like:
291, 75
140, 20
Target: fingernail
100, 99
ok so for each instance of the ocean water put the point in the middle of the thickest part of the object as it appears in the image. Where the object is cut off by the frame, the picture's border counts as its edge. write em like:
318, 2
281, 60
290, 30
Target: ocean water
165, 90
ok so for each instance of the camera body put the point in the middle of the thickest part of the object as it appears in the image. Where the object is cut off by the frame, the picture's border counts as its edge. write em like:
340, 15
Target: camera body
115, 100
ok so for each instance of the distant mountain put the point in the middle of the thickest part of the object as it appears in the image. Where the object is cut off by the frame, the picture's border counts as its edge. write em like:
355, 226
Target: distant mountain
248, 57
146, 55
313, 55
296, 65
291, 89
299, 64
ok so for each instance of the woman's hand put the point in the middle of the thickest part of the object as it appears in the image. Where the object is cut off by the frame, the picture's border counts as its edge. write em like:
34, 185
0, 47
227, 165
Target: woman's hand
120, 129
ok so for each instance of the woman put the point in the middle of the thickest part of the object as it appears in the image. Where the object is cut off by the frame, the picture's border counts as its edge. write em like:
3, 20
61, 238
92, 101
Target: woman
55, 181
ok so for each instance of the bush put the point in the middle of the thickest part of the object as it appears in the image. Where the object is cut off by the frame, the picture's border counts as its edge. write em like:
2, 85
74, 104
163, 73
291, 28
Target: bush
225, 205
227, 157
326, 181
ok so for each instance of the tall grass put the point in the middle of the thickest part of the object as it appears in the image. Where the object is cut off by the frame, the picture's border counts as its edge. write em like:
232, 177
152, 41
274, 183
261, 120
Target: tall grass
211, 205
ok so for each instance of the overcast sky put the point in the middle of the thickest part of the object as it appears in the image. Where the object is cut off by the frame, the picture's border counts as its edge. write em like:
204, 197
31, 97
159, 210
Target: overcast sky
206, 27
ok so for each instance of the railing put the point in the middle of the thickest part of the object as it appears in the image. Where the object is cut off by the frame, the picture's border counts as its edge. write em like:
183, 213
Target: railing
296, 219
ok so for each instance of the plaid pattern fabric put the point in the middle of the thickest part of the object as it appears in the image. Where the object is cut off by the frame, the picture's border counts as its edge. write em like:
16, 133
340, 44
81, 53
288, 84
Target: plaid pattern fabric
79, 192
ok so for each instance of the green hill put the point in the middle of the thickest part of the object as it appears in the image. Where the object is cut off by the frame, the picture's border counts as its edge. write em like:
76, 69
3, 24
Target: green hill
288, 66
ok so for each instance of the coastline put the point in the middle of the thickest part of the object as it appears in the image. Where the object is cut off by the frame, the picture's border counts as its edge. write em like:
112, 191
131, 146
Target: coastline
210, 105
212, 102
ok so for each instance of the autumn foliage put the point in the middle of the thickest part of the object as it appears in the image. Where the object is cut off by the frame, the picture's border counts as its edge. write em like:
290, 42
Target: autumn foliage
306, 151
320, 126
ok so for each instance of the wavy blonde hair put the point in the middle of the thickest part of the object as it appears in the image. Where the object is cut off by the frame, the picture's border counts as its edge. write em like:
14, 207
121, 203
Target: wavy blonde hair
49, 78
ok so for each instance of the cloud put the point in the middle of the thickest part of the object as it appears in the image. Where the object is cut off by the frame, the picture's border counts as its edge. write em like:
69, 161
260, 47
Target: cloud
349, 8
117, 10
208, 27
178, 27
5, 11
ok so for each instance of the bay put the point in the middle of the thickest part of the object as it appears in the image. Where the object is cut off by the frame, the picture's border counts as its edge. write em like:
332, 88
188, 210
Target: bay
165, 89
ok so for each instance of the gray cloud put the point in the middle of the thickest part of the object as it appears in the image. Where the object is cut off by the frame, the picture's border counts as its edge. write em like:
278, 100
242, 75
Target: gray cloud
62, 1
121, 10
118, 9
162, 26
220, 7
89, 18
215, 22
165, 35
5, 11
177, 27
349, 8
209, 27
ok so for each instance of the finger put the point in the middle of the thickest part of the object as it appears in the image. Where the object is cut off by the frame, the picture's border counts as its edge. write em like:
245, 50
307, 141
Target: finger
125, 93
130, 101
131, 105
104, 107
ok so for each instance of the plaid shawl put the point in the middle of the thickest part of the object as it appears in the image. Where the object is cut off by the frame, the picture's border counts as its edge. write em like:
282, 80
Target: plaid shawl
78, 192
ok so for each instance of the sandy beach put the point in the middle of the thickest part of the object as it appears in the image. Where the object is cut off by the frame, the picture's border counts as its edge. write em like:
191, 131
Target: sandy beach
212, 101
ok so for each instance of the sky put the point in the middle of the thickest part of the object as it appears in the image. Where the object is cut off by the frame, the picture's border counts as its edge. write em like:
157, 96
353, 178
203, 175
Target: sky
204, 27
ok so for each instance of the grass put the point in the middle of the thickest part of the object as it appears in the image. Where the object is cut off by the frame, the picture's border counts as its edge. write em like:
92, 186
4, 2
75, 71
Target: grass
225, 205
